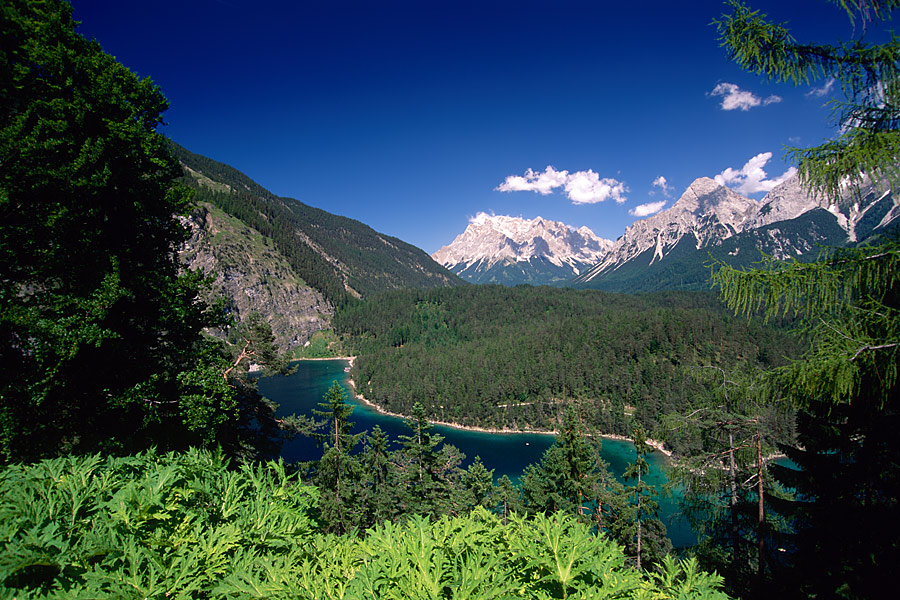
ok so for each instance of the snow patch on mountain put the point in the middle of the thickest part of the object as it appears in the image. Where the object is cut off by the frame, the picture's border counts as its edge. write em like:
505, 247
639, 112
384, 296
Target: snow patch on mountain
490, 240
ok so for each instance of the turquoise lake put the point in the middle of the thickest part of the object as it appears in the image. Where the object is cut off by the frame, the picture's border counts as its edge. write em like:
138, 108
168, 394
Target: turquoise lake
508, 453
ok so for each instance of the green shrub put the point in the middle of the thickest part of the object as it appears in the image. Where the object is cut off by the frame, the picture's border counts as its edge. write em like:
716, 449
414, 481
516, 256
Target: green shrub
188, 526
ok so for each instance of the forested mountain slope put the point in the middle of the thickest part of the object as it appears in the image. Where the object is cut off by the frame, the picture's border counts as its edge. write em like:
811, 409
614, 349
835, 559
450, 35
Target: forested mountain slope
290, 262
513, 357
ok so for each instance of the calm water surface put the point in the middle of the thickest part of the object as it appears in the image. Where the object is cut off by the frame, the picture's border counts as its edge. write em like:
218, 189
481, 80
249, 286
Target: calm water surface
508, 453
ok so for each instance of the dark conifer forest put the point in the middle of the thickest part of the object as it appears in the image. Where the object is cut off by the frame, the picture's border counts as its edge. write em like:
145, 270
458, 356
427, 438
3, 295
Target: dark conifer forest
512, 358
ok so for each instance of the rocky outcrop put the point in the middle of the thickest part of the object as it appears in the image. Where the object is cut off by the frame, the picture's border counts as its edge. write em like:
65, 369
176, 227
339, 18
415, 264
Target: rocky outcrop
510, 250
253, 277
789, 222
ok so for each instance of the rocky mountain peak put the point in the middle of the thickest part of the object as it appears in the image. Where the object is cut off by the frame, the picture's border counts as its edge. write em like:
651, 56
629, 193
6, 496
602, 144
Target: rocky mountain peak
706, 196
491, 240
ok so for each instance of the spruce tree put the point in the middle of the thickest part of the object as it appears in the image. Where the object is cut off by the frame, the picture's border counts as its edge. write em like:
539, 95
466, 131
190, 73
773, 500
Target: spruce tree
337, 473
379, 480
571, 476
100, 336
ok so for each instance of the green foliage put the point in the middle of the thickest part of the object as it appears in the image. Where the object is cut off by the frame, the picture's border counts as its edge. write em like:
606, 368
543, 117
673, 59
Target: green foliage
869, 76
322, 344
187, 526
514, 357
337, 473
477, 557
146, 525
99, 334
848, 303
571, 476
846, 513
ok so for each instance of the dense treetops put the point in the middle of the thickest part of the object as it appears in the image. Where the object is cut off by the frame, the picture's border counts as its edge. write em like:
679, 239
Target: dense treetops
513, 357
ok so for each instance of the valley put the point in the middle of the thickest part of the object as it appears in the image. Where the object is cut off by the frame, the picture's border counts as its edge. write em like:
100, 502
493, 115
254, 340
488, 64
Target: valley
534, 410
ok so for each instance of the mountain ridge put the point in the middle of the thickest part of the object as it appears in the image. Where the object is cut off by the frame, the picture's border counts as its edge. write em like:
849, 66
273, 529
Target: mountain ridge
509, 250
290, 262
788, 223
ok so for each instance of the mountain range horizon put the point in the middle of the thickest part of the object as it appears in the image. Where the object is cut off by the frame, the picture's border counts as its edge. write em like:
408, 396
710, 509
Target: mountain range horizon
511, 250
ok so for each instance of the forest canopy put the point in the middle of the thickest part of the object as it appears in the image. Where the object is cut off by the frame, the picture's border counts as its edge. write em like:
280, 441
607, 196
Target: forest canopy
512, 357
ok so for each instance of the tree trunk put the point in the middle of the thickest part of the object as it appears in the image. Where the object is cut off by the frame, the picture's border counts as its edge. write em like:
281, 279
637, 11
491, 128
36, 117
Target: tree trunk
761, 524
639, 522
732, 479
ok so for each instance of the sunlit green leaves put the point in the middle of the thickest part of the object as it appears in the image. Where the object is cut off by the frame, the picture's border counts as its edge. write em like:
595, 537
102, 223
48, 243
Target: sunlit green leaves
187, 526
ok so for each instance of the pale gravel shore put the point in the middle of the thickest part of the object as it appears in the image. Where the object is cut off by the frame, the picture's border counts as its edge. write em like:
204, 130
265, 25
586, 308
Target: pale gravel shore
505, 431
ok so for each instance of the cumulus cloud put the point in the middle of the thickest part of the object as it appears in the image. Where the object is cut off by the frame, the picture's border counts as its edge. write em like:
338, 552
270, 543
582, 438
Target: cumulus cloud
821, 91
734, 97
582, 187
586, 187
752, 177
645, 210
480, 218
662, 184
542, 183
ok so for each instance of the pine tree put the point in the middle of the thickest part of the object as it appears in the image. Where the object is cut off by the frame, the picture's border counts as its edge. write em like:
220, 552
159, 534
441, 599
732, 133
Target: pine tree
571, 476
643, 534
478, 483
719, 483
849, 300
379, 480
430, 476
337, 473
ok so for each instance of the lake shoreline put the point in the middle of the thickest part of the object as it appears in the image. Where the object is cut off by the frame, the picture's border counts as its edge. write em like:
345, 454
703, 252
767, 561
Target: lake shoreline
657, 445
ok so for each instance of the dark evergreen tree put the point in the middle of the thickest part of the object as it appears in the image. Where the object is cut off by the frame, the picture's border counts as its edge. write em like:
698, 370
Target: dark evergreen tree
718, 481
478, 483
338, 473
508, 497
643, 534
429, 475
571, 476
99, 334
379, 480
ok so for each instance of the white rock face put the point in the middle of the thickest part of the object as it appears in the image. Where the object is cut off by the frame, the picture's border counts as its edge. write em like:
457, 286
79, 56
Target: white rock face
706, 214
707, 211
495, 239
787, 201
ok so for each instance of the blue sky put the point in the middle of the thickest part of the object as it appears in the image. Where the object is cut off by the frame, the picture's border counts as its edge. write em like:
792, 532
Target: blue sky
413, 117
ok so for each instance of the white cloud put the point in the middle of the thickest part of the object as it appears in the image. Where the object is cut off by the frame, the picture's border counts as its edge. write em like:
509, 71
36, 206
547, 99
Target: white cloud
582, 187
586, 187
734, 97
542, 183
644, 210
480, 218
752, 177
821, 91
662, 184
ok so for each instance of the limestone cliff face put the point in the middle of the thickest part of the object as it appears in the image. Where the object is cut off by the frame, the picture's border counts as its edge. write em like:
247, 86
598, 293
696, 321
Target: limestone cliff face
513, 250
253, 277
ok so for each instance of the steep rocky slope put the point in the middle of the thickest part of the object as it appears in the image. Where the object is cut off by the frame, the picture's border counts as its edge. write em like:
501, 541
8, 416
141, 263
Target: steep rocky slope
287, 261
253, 276
672, 249
512, 250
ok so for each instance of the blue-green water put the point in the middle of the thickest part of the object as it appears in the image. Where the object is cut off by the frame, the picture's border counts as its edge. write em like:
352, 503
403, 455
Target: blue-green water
506, 453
